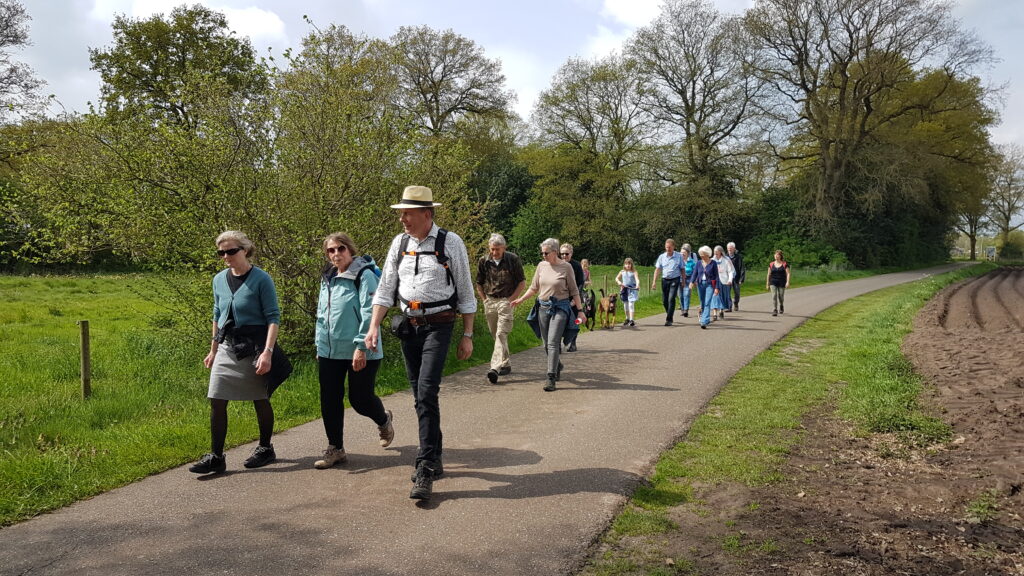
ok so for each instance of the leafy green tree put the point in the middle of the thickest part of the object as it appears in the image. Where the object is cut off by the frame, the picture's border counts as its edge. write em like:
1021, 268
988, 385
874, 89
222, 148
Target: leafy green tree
153, 63
1006, 201
18, 84
700, 86
445, 77
834, 64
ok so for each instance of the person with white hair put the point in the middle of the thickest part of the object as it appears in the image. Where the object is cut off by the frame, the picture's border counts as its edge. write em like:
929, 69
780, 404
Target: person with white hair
705, 280
499, 280
726, 273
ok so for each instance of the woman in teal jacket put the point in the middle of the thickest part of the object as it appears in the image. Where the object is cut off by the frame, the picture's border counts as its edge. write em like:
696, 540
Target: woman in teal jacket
342, 319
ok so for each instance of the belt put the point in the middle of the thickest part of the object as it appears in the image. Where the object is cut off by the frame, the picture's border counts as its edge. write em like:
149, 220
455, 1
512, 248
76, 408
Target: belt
445, 317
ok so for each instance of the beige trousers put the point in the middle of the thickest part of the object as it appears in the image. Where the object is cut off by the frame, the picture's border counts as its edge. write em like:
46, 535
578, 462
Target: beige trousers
498, 313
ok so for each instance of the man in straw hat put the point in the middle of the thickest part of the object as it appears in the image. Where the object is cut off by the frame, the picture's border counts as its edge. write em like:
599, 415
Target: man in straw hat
427, 275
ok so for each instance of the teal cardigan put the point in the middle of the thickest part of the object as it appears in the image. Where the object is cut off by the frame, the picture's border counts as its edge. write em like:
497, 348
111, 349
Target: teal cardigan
254, 304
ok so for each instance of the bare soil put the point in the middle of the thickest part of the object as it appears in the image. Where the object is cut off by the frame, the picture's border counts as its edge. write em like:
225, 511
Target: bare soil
877, 505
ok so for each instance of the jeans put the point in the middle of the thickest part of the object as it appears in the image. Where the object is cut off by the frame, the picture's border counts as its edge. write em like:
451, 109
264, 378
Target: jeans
778, 296
333, 374
685, 289
669, 291
498, 313
551, 328
706, 291
425, 352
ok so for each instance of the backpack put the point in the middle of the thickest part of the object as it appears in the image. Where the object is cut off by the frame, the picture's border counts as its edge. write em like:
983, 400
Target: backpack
442, 259
366, 263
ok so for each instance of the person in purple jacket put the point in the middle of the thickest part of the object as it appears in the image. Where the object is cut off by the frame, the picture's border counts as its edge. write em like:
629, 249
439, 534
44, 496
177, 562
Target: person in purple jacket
705, 280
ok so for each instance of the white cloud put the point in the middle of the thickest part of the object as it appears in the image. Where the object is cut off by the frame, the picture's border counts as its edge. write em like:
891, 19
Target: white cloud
261, 26
606, 41
526, 73
632, 13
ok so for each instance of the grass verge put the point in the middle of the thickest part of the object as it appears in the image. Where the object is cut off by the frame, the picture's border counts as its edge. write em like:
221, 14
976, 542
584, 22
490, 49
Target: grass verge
148, 411
747, 431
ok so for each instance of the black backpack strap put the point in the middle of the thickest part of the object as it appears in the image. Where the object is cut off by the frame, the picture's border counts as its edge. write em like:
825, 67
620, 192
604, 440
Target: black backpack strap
442, 259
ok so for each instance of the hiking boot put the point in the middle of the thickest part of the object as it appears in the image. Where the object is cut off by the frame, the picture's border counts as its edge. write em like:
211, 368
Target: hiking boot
438, 468
668, 322
423, 482
782, 309
492, 376
331, 457
558, 374
261, 456
571, 348
209, 463
686, 314
735, 307
504, 371
550, 386
387, 431
775, 312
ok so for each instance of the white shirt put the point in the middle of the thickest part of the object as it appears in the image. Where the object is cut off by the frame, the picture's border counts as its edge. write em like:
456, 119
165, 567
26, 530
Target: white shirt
429, 281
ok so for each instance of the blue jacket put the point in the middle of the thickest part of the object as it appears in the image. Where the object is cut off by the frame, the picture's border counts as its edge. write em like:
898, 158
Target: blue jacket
343, 314
254, 304
711, 273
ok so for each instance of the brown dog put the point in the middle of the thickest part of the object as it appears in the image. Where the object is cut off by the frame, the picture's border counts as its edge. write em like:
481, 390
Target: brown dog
606, 309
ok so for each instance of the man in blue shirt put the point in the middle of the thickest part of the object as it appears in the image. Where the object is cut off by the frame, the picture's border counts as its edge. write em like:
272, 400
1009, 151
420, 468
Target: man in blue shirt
670, 266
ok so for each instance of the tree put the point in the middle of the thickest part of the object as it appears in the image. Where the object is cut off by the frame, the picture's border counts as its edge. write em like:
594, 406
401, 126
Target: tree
17, 83
834, 63
445, 76
1006, 202
152, 63
700, 85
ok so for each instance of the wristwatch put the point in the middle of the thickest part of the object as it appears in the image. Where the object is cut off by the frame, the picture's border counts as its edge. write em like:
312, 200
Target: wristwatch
468, 335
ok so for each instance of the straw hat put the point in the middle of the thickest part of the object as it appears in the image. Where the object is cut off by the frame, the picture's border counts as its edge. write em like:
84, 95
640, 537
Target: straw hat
416, 197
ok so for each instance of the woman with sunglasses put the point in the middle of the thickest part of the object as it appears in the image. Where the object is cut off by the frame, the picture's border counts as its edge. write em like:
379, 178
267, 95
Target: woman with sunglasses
554, 283
246, 317
342, 319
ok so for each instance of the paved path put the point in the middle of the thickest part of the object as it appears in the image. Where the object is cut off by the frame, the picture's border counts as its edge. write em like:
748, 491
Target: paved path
532, 478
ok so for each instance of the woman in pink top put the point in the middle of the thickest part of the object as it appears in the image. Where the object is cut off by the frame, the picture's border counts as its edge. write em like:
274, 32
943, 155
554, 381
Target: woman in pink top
554, 283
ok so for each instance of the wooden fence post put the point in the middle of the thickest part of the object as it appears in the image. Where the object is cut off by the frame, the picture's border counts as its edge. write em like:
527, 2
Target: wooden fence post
86, 366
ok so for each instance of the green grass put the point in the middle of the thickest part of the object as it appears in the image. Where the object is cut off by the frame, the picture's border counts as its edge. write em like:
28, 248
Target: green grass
747, 431
148, 411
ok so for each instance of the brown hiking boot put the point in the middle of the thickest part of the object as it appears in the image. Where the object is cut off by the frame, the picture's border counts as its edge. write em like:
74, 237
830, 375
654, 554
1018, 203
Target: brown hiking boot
387, 431
331, 457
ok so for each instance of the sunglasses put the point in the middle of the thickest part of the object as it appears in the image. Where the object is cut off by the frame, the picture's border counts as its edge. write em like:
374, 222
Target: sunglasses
566, 254
543, 253
333, 249
228, 252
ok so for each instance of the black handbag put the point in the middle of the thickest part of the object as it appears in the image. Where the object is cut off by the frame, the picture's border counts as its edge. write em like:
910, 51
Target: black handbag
280, 369
400, 327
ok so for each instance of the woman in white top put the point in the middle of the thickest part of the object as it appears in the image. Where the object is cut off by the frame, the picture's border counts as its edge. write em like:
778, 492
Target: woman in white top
726, 273
629, 288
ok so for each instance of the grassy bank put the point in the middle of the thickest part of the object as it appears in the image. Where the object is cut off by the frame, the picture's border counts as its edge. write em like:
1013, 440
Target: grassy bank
148, 411
746, 432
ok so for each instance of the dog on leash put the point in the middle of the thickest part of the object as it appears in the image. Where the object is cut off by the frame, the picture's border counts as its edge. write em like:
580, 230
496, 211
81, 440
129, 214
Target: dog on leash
606, 309
589, 309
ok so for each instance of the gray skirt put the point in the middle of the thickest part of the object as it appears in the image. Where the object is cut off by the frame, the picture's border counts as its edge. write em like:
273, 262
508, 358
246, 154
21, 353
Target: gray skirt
235, 379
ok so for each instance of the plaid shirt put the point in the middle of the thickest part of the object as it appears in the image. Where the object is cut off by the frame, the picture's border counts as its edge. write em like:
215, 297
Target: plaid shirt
426, 280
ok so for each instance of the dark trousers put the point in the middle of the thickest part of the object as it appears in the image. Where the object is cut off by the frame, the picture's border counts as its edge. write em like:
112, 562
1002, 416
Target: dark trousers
669, 293
425, 352
333, 374
735, 293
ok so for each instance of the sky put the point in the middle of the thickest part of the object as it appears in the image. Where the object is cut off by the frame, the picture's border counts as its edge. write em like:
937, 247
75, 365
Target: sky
531, 38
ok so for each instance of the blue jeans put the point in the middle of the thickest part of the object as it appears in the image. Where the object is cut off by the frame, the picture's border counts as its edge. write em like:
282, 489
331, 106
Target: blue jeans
425, 353
669, 292
706, 291
686, 297
552, 325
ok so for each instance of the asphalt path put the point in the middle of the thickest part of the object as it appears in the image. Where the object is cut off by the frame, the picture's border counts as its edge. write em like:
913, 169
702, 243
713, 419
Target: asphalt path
532, 478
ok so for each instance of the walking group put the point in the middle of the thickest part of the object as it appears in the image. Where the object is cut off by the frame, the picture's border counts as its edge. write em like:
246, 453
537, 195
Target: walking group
427, 275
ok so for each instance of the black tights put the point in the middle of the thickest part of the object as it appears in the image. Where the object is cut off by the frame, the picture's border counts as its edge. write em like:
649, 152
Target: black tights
219, 423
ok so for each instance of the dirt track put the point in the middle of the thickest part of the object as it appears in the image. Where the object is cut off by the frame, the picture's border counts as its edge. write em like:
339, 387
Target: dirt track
854, 505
